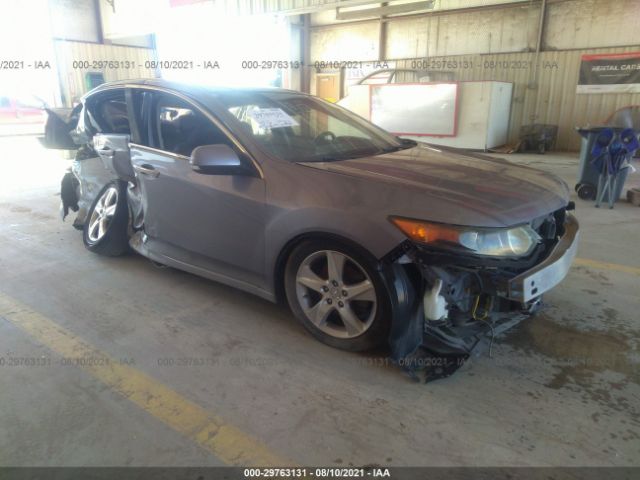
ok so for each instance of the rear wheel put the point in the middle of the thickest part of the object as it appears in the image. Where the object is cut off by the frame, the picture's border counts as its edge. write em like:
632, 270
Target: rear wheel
106, 228
338, 295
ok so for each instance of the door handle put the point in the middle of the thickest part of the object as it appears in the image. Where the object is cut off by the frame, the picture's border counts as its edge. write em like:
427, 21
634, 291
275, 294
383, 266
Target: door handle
146, 170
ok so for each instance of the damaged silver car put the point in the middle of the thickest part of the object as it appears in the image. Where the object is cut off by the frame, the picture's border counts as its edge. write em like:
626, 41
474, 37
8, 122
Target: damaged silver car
371, 239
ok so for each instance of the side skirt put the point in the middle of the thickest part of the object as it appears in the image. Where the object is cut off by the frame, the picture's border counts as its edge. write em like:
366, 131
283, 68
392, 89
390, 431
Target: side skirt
171, 256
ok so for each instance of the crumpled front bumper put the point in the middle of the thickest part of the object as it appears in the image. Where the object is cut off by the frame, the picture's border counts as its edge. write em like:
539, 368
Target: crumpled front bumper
491, 298
551, 271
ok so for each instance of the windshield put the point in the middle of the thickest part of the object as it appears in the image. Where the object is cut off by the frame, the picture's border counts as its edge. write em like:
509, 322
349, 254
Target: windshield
300, 128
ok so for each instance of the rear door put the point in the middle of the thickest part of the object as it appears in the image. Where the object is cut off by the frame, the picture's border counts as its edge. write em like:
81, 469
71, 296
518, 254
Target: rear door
212, 220
108, 117
113, 150
101, 132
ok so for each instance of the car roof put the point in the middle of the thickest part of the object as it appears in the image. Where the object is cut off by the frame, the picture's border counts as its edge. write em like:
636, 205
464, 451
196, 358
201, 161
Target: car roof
191, 90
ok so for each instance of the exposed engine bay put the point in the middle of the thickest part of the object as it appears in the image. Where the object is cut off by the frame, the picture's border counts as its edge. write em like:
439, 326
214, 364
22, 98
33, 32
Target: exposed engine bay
446, 311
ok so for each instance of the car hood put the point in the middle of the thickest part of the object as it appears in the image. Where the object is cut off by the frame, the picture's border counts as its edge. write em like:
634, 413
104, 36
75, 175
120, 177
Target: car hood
453, 186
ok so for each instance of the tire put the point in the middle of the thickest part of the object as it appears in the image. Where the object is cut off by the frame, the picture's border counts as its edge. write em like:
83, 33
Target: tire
112, 215
359, 295
586, 191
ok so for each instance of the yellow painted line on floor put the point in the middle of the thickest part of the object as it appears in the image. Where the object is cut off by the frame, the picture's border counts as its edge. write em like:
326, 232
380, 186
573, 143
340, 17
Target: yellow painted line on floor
225, 441
586, 262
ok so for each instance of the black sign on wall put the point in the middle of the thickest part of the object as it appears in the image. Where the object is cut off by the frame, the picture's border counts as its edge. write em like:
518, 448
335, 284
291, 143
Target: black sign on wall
610, 73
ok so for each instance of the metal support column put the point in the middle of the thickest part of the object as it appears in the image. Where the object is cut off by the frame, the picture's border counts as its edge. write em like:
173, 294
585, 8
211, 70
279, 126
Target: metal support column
533, 82
305, 49
382, 37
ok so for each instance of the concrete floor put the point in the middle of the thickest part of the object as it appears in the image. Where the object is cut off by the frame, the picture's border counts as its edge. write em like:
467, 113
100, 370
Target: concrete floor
562, 389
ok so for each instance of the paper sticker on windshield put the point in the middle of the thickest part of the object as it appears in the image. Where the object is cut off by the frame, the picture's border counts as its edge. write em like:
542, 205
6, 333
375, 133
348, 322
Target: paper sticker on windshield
272, 118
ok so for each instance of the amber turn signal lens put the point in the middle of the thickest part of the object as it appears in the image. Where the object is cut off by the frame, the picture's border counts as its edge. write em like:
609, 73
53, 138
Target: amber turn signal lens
426, 232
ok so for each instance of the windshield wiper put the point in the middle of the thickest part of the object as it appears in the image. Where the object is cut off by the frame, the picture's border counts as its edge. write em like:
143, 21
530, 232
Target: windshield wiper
333, 159
347, 156
390, 149
408, 143
405, 143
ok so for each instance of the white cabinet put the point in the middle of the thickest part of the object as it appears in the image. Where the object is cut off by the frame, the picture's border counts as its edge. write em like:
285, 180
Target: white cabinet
483, 116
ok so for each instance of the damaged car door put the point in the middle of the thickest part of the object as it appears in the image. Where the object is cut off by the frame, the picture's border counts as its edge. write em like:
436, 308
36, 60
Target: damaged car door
113, 150
103, 113
60, 129
195, 216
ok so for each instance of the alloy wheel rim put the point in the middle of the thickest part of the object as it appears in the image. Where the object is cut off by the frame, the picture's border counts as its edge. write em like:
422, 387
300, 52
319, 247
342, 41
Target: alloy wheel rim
336, 294
102, 214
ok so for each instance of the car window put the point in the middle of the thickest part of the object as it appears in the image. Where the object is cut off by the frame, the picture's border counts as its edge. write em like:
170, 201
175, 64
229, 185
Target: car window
179, 127
114, 115
301, 128
107, 113
5, 102
304, 121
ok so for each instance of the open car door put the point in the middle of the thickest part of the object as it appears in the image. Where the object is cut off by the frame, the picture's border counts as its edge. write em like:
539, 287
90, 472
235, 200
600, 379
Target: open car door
59, 131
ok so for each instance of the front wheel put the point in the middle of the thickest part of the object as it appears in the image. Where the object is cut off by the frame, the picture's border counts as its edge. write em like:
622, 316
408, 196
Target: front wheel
338, 295
106, 227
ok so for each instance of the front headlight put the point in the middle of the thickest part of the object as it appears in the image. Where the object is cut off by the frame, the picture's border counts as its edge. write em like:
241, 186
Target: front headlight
494, 242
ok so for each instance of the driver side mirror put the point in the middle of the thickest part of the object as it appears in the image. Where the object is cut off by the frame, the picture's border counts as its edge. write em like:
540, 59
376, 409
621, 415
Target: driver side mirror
218, 160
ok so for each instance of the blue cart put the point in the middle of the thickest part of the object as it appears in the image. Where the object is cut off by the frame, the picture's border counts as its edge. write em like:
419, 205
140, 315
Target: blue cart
588, 173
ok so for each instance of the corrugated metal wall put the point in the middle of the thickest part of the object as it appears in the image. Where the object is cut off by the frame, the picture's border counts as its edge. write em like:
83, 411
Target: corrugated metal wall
499, 44
553, 101
591, 24
72, 78
492, 31
345, 43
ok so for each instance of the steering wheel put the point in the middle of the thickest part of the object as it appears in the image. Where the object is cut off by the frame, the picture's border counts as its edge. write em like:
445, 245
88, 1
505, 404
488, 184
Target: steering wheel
324, 137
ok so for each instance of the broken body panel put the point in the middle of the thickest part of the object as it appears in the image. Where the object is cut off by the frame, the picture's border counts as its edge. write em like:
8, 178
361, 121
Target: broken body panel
482, 298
